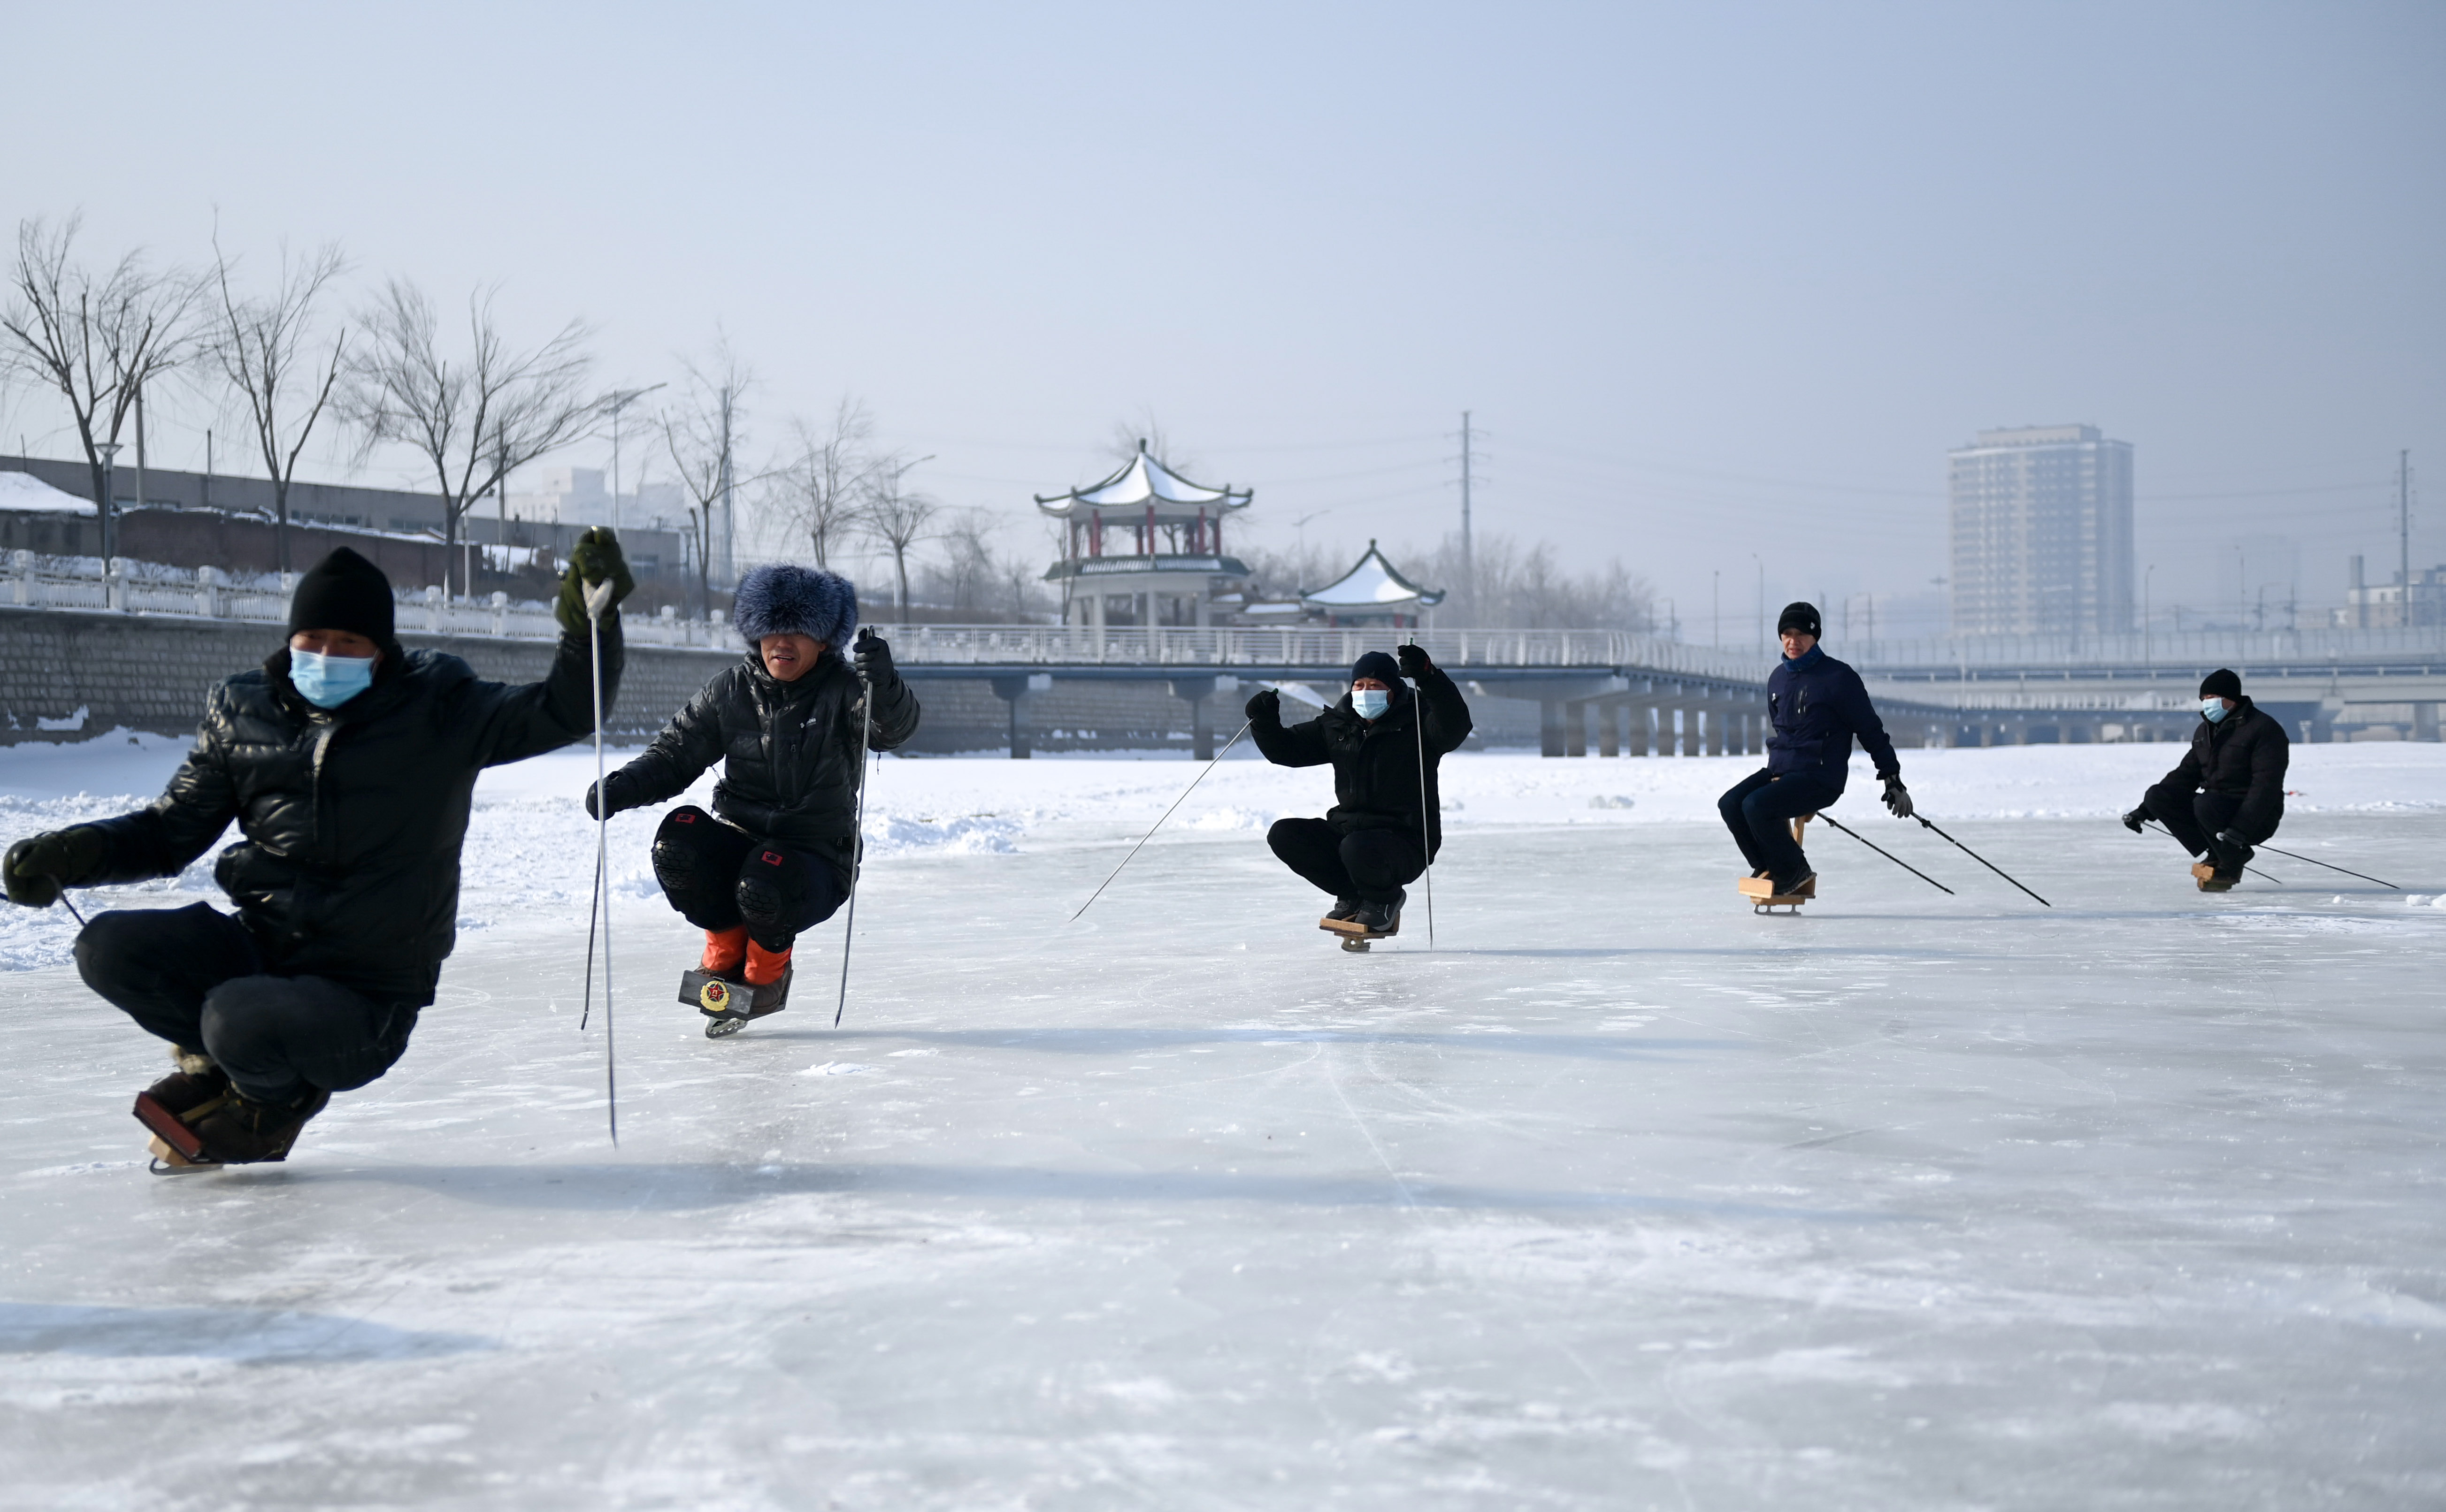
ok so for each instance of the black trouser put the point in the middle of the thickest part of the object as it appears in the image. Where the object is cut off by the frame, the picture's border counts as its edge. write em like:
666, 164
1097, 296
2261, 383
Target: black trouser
192, 976
2194, 818
1760, 809
719, 877
1367, 864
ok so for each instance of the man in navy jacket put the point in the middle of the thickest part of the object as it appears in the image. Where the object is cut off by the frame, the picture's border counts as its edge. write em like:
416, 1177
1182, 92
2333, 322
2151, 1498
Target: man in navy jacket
1817, 704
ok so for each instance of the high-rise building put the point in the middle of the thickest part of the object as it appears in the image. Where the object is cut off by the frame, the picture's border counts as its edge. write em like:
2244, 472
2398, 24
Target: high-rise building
2042, 533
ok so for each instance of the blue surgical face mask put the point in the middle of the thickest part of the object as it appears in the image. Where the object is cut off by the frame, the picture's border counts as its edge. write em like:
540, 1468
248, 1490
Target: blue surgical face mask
2213, 709
1370, 702
328, 682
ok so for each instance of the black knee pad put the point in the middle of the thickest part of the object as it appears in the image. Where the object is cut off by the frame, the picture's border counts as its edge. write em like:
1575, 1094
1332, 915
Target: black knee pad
772, 891
679, 850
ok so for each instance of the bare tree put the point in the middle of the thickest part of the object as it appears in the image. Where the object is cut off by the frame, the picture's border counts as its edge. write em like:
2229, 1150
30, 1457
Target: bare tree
96, 341
702, 430
475, 418
897, 518
826, 485
1127, 437
271, 351
970, 568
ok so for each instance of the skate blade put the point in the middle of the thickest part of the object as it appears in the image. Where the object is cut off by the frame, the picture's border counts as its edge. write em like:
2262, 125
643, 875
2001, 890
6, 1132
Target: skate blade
168, 1161
1357, 945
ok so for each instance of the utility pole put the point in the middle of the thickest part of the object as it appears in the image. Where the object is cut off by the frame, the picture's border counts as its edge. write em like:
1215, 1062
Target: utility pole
2402, 522
109, 451
140, 449
208, 468
1468, 555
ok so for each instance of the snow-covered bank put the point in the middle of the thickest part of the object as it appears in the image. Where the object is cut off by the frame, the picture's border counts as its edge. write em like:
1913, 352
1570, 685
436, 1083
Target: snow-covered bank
530, 846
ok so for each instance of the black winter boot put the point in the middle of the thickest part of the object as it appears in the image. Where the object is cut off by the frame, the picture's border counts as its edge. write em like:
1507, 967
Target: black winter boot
1342, 908
1381, 918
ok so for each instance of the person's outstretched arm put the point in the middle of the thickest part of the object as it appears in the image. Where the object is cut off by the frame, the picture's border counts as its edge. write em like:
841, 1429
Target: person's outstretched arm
1851, 701
1443, 713
157, 841
688, 745
511, 721
1299, 745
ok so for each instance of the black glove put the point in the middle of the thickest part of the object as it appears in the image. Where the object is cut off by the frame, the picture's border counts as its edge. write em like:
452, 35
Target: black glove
2134, 820
38, 867
613, 784
594, 557
1265, 708
1414, 661
1897, 796
873, 659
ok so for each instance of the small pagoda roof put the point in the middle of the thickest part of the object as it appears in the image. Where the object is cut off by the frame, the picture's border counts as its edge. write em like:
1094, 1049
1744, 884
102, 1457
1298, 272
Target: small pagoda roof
1371, 586
1143, 482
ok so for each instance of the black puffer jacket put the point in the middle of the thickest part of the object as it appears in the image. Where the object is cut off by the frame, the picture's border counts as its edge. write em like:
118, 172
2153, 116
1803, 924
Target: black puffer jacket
1376, 762
352, 817
2242, 756
790, 750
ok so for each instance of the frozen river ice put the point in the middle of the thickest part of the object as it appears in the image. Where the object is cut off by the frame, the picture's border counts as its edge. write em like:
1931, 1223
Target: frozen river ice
1621, 1197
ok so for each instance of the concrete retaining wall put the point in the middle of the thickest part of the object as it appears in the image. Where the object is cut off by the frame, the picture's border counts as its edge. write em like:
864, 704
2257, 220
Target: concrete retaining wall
81, 673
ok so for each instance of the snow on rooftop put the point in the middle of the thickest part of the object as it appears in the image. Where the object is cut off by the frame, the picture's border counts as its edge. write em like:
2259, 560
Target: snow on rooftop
1145, 480
24, 491
1372, 584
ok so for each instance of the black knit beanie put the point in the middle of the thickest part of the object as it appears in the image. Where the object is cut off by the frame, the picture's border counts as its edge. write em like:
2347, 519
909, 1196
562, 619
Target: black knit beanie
2223, 683
343, 592
1799, 616
1380, 665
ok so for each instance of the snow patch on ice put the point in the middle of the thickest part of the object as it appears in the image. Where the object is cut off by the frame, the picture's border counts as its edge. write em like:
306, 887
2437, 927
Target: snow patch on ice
840, 1068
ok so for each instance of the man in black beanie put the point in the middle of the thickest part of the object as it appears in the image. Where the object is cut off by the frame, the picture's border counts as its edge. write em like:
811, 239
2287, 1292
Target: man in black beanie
1817, 705
1383, 826
350, 765
2227, 793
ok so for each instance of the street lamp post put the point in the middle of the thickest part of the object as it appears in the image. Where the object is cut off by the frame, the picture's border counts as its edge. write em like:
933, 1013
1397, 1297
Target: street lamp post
109, 451
2148, 663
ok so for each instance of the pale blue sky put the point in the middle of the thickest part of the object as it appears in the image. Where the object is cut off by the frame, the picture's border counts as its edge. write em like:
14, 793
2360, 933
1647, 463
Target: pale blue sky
1719, 280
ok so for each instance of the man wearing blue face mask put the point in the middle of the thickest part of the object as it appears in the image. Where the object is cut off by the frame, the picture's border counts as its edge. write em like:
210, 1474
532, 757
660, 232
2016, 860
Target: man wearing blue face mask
1382, 827
348, 764
2227, 793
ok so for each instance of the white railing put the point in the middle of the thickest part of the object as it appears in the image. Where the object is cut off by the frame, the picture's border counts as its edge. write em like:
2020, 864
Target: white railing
207, 593
2157, 650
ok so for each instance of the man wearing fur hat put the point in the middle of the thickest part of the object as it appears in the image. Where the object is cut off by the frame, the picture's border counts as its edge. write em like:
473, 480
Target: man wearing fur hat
776, 855
350, 765
1384, 824
2227, 793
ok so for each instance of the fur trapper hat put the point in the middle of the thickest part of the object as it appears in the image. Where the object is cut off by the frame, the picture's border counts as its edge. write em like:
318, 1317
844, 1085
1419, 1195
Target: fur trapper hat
783, 598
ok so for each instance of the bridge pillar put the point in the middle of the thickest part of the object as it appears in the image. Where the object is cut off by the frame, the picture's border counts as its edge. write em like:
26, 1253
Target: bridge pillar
1198, 691
1575, 728
1609, 729
1550, 727
1018, 692
1640, 713
1715, 729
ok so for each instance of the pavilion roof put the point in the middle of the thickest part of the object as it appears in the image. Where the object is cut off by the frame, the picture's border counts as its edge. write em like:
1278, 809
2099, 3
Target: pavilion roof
1142, 481
1372, 584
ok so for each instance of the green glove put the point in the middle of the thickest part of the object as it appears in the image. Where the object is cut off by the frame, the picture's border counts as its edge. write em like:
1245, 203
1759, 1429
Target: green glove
39, 865
594, 557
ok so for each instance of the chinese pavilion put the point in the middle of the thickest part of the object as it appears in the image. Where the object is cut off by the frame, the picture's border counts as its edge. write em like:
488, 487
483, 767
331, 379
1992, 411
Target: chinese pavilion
1372, 592
1145, 547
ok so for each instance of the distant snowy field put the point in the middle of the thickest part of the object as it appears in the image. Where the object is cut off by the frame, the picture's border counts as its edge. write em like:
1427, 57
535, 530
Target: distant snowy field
530, 849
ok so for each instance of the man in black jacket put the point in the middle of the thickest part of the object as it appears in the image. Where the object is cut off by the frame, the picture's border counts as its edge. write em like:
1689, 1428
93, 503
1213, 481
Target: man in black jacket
350, 765
2227, 793
1817, 705
1382, 828
775, 856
